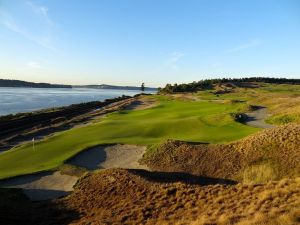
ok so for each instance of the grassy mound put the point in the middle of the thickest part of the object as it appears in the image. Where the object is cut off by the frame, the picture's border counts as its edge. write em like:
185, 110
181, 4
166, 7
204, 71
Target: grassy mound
185, 120
118, 196
271, 154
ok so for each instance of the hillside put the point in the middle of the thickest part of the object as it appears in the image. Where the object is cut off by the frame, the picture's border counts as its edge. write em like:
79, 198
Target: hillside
118, 196
20, 83
209, 84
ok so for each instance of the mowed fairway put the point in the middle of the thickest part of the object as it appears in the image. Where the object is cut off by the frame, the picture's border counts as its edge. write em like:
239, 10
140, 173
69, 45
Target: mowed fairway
201, 121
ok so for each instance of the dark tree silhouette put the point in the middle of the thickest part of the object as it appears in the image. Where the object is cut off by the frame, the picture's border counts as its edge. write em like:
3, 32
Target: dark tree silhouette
208, 84
143, 87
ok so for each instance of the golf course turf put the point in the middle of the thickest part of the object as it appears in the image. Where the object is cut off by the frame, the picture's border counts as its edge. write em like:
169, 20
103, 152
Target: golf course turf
197, 121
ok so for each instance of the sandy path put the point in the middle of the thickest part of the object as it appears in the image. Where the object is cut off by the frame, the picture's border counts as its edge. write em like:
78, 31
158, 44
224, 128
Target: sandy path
257, 118
50, 185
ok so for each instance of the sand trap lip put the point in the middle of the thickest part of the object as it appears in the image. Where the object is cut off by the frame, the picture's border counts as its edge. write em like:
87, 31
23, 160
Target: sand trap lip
50, 185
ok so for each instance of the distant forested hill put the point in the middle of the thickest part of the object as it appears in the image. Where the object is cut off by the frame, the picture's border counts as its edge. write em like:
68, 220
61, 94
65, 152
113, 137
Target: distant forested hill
20, 83
209, 83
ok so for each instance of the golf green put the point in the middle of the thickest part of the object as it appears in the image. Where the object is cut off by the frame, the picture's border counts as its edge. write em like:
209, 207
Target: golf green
199, 121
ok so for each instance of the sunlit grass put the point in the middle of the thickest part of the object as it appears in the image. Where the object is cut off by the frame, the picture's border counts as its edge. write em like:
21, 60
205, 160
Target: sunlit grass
201, 121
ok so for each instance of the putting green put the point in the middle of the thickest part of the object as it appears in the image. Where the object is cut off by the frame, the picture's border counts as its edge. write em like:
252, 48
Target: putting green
202, 121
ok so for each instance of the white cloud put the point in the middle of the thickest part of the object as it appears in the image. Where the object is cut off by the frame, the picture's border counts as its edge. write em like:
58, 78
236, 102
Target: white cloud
42, 11
174, 59
33, 65
41, 37
253, 43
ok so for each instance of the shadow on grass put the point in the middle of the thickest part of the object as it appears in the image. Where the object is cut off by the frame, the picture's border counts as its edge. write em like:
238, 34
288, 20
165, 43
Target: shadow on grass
170, 177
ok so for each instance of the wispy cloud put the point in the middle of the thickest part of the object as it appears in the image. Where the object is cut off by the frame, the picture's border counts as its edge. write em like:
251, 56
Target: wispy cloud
33, 65
173, 59
41, 37
250, 44
42, 11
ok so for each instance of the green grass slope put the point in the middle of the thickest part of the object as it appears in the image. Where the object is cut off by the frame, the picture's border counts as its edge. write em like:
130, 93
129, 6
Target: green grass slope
201, 121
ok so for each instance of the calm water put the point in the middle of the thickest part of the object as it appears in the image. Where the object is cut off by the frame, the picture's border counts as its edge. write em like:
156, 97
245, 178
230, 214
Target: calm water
15, 100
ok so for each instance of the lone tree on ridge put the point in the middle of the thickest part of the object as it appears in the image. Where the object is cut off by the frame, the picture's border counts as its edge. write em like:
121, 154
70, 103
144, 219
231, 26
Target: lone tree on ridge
143, 87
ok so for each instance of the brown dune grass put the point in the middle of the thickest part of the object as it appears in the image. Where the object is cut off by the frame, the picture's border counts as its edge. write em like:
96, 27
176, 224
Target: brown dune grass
284, 107
265, 156
118, 196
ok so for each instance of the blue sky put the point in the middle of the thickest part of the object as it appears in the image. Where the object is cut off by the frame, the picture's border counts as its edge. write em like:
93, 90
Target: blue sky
126, 42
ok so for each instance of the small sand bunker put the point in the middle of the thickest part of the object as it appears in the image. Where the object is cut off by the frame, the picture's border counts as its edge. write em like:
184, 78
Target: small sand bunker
42, 186
141, 103
50, 185
110, 156
257, 118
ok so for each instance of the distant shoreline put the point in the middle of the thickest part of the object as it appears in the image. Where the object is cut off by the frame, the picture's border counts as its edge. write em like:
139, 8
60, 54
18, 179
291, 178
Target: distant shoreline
24, 84
5, 83
97, 88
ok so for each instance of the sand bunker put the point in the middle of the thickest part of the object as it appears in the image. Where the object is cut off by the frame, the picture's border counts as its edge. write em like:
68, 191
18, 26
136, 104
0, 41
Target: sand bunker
50, 185
42, 186
141, 103
110, 156
257, 118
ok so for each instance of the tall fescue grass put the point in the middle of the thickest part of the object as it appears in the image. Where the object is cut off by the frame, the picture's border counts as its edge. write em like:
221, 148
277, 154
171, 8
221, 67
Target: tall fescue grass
258, 174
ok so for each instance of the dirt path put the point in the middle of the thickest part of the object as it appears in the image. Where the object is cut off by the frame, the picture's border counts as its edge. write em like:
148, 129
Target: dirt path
257, 118
50, 185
